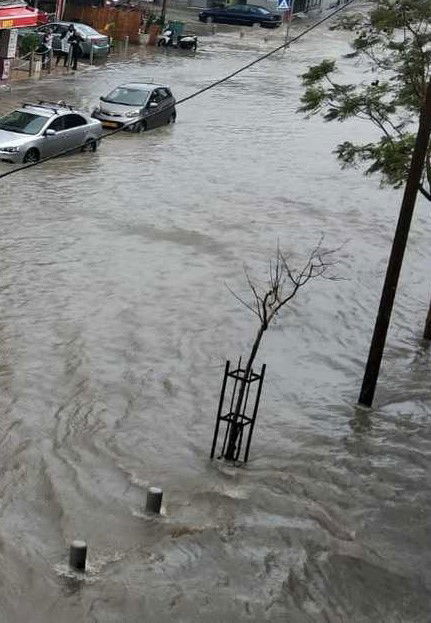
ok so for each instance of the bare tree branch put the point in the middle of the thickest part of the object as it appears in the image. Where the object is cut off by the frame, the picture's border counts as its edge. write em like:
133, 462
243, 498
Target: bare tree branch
238, 298
267, 304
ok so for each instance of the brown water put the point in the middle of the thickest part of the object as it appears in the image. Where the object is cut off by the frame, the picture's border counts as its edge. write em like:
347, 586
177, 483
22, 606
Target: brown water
115, 326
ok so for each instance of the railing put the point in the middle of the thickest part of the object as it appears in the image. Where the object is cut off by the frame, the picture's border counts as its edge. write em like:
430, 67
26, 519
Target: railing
32, 62
30, 65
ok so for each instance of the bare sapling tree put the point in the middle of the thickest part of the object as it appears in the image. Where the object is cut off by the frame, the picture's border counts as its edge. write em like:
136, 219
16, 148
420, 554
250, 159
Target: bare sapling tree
283, 284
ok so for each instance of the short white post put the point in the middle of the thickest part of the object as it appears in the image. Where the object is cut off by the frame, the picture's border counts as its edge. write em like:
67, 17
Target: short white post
69, 57
37, 67
31, 64
91, 54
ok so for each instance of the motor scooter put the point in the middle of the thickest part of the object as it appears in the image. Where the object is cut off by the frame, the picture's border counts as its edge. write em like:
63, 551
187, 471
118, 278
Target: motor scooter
185, 42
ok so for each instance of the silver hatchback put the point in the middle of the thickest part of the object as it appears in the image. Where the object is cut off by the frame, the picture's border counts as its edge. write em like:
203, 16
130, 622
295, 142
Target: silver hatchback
37, 131
137, 106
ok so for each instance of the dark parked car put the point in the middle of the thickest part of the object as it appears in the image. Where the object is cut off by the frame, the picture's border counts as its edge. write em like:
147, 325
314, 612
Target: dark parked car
242, 15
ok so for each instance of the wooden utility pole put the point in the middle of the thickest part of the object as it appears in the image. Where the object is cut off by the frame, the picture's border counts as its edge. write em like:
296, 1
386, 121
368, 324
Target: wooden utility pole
288, 16
397, 254
163, 13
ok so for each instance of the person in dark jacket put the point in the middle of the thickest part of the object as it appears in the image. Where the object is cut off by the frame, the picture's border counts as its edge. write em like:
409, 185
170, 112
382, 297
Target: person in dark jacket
75, 41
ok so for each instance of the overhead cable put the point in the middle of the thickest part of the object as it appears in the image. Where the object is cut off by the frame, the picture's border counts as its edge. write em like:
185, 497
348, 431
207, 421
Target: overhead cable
200, 91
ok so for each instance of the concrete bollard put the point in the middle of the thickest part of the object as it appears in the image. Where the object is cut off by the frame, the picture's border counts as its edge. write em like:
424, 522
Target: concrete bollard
241, 33
91, 54
37, 67
31, 61
154, 500
78, 555
126, 44
49, 63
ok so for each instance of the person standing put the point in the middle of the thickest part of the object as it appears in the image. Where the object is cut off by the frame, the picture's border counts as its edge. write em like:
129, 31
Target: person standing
47, 40
63, 52
75, 41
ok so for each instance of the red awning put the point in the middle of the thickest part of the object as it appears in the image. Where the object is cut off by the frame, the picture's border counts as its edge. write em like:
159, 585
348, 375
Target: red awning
20, 17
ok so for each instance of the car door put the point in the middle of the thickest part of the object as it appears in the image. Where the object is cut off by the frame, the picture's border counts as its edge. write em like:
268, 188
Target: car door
233, 14
52, 144
155, 113
254, 15
166, 105
59, 30
75, 134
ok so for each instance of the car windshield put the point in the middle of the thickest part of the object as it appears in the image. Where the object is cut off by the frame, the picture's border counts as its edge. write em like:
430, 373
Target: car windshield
128, 97
86, 30
22, 122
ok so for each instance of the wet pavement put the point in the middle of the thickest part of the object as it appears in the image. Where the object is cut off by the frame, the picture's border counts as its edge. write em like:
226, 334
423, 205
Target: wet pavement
115, 325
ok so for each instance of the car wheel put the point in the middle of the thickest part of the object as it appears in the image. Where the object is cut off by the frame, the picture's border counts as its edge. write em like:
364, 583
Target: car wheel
32, 156
140, 126
172, 118
90, 145
209, 20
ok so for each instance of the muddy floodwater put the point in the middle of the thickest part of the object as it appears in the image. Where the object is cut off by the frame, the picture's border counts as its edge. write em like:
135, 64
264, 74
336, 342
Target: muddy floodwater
115, 325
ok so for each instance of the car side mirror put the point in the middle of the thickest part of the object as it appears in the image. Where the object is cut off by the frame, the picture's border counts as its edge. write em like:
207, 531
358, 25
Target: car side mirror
152, 105
50, 132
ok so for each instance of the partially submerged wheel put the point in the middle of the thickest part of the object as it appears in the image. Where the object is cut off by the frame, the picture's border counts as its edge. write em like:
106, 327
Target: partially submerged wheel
209, 20
172, 118
139, 126
31, 156
90, 145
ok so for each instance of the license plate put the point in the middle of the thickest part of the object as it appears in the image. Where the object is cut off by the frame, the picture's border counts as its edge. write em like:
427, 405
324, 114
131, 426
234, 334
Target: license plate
110, 124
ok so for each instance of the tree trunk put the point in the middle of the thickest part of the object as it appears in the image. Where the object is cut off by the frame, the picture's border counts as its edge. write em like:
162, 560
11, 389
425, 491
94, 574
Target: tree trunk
396, 257
427, 331
235, 427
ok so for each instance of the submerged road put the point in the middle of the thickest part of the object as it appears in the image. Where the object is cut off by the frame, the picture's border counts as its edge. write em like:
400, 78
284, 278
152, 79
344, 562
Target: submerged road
115, 324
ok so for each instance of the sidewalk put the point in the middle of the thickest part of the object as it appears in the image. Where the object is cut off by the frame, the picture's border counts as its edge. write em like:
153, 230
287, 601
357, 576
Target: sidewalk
188, 15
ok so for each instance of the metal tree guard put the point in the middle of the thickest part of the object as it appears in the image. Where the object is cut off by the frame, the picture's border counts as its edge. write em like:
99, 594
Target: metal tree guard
236, 415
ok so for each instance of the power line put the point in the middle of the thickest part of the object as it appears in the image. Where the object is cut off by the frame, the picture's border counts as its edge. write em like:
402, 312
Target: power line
213, 84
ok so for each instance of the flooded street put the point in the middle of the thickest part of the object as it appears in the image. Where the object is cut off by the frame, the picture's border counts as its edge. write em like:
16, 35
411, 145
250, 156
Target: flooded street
115, 326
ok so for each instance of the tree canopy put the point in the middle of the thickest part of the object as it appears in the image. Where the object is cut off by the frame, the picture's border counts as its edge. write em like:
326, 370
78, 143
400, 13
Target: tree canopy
394, 41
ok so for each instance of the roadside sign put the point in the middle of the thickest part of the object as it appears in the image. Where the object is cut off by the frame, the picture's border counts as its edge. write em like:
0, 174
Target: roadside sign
284, 5
8, 43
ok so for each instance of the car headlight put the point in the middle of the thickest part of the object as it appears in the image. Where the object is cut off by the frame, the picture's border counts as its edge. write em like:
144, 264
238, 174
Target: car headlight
97, 109
10, 150
132, 113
